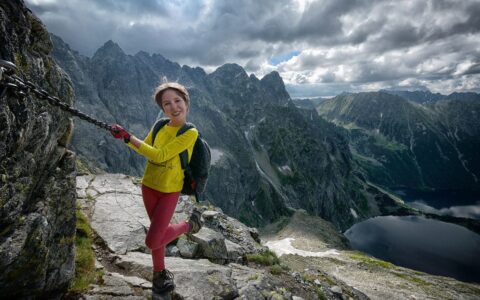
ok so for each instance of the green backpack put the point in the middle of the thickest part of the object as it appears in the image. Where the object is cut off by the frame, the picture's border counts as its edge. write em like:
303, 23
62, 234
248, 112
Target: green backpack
196, 172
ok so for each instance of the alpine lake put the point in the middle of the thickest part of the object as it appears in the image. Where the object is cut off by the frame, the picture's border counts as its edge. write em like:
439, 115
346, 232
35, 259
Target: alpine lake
423, 244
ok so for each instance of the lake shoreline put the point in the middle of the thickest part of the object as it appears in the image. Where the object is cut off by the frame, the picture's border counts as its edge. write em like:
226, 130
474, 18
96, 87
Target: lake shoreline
420, 242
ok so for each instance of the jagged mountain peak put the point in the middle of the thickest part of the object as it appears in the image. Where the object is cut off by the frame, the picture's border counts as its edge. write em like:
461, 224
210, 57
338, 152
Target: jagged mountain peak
273, 79
109, 49
274, 75
254, 78
195, 70
274, 82
230, 71
143, 54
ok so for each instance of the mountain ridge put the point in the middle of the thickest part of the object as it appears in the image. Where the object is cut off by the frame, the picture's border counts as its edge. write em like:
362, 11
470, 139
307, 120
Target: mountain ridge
225, 105
405, 143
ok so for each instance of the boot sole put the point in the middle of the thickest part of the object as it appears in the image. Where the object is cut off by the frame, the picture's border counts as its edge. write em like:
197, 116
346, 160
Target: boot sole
162, 296
166, 289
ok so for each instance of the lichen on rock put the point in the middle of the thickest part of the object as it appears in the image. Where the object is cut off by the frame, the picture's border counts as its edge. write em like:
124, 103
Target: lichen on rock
37, 190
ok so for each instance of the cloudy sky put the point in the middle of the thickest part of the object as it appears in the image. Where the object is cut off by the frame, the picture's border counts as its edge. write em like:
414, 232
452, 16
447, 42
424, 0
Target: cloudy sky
320, 48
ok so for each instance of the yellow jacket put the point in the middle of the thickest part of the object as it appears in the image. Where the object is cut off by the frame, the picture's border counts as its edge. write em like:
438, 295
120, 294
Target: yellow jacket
163, 171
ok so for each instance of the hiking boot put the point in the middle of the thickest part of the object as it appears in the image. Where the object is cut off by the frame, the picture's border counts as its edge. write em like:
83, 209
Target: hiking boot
195, 221
163, 282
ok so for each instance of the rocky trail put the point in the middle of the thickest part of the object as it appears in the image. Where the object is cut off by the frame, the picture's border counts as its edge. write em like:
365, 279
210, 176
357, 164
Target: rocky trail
315, 260
211, 264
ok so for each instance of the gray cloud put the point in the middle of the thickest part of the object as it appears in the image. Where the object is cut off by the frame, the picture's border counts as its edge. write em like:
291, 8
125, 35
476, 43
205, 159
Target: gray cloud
465, 211
342, 44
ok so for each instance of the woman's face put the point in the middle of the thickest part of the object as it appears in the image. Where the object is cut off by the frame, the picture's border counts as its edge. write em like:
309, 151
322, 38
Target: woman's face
175, 107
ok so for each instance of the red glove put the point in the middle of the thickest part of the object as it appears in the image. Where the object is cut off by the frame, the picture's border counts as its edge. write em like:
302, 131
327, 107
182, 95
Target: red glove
119, 132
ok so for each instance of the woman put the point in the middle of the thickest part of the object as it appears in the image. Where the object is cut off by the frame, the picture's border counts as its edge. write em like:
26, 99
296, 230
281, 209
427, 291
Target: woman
163, 177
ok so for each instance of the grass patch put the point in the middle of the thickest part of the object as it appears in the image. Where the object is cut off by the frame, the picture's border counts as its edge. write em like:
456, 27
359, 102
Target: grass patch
276, 270
81, 167
383, 142
322, 278
320, 294
412, 279
267, 258
370, 260
85, 273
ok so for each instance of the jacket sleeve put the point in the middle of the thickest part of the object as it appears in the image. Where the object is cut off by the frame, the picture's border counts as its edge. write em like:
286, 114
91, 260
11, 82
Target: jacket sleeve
173, 148
148, 138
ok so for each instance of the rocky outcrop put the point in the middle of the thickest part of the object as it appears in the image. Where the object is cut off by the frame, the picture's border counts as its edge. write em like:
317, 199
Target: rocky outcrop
216, 269
115, 206
315, 259
37, 172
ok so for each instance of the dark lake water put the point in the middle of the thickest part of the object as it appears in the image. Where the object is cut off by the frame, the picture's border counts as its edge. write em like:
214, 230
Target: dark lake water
423, 244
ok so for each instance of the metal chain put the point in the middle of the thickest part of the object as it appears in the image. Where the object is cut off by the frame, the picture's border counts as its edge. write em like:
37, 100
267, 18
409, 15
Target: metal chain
8, 80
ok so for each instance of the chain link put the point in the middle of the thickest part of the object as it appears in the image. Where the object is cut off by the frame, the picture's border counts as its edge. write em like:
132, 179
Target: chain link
8, 80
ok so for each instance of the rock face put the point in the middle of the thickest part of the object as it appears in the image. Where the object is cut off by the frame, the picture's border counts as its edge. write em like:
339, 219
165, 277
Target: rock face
115, 206
320, 263
216, 269
262, 168
37, 172
400, 143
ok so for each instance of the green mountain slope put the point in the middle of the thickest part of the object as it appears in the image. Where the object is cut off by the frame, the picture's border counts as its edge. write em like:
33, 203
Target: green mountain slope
402, 143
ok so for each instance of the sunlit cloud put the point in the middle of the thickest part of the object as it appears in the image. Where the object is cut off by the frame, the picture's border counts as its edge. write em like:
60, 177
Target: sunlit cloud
318, 47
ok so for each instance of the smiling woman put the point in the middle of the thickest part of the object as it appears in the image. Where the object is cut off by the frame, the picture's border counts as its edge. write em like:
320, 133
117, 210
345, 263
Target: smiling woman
164, 176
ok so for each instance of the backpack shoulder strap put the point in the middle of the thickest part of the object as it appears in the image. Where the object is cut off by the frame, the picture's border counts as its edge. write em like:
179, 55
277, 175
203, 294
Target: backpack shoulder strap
184, 154
156, 128
184, 128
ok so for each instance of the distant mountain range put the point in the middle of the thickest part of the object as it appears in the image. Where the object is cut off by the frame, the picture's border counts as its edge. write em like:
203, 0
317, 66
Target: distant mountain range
308, 103
269, 156
412, 139
427, 96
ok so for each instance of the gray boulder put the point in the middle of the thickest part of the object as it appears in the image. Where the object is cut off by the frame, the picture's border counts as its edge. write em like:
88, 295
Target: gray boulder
212, 244
187, 248
117, 213
191, 276
234, 230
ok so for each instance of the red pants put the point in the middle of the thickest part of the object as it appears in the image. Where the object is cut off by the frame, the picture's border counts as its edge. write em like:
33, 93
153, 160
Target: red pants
160, 208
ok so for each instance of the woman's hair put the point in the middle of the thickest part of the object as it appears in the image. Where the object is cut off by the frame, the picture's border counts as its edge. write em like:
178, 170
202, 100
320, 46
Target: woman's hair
177, 87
